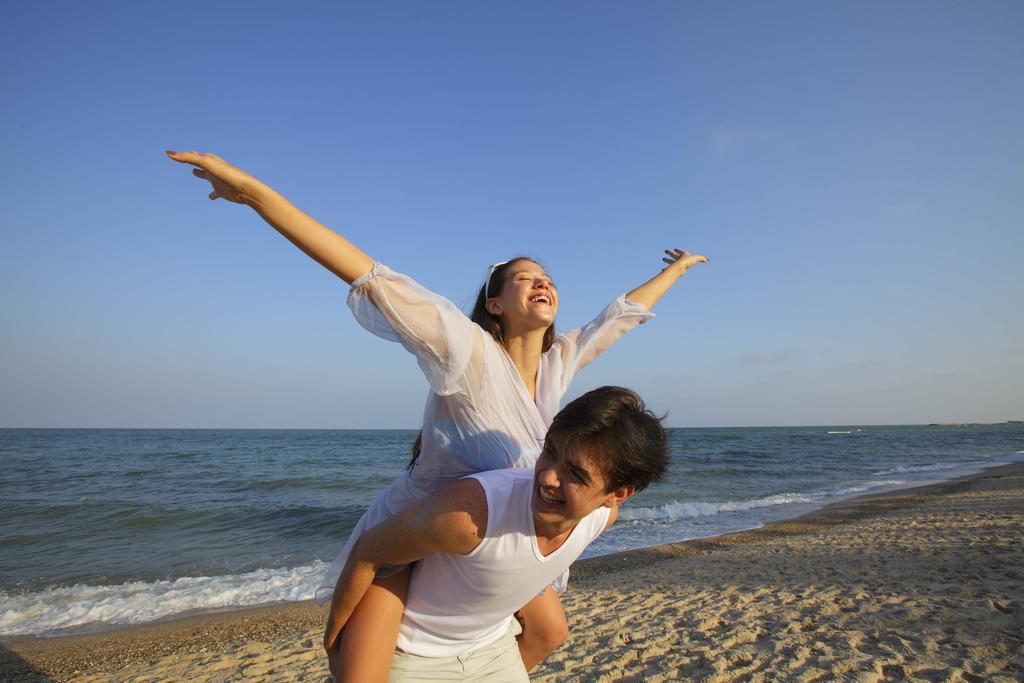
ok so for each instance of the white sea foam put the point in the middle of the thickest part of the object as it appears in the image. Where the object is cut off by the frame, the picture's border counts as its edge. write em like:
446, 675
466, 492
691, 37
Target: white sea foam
859, 488
689, 510
904, 469
678, 510
84, 607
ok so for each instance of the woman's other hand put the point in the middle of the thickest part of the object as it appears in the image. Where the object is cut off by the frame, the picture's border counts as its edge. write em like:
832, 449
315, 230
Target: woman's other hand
333, 659
228, 182
681, 260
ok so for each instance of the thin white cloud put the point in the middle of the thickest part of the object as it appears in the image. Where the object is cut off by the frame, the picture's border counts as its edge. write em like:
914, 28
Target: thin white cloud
728, 139
770, 358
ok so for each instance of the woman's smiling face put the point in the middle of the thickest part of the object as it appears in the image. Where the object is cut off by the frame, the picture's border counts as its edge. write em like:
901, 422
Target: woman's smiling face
528, 298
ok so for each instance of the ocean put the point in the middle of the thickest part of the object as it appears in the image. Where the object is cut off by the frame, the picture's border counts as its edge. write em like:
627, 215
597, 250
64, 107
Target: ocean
110, 527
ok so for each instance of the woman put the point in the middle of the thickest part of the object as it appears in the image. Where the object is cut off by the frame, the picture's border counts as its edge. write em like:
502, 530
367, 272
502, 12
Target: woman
496, 379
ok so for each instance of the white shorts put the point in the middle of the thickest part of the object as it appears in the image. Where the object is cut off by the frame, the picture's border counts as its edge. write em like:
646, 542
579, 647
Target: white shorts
499, 662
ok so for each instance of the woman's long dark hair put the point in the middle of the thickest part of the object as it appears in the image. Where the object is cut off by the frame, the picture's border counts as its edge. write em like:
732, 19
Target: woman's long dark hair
490, 324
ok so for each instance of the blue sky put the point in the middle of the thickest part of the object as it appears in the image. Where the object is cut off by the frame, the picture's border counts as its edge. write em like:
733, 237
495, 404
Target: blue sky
853, 170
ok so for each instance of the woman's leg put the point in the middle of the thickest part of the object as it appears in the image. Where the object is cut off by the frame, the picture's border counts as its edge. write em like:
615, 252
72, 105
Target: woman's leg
544, 627
367, 643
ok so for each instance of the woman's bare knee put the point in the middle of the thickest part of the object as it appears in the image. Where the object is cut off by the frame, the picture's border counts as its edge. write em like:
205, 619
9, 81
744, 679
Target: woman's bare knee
550, 634
544, 628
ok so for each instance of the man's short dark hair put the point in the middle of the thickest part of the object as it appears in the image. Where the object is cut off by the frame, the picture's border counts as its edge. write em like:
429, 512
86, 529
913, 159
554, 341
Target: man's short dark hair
613, 426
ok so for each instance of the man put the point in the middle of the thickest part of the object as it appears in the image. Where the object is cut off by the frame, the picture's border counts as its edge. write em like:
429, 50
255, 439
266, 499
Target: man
487, 544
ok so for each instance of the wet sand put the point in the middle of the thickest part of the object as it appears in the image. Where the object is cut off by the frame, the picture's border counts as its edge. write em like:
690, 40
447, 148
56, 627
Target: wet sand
921, 584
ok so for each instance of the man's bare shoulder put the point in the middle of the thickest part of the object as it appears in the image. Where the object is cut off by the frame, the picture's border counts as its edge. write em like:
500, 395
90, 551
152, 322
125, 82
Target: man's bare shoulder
458, 515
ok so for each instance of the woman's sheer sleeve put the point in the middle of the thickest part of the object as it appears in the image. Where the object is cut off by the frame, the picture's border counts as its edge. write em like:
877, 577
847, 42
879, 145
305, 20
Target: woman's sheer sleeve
397, 308
580, 347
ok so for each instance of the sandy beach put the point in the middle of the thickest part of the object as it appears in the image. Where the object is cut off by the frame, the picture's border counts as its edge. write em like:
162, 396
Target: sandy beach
922, 584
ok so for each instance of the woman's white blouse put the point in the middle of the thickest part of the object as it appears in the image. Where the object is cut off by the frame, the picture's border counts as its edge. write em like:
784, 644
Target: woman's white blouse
479, 415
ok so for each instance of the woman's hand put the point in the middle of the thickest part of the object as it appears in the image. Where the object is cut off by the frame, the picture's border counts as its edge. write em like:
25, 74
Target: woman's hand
332, 631
229, 182
333, 657
323, 245
681, 260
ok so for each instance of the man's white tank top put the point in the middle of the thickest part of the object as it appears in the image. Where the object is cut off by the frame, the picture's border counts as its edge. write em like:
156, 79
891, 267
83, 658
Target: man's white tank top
459, 603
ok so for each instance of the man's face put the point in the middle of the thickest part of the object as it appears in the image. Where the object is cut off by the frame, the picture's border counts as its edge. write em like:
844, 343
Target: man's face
569, 486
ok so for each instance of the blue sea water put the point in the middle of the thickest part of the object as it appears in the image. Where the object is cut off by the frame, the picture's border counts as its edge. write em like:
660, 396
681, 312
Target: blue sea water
109, 527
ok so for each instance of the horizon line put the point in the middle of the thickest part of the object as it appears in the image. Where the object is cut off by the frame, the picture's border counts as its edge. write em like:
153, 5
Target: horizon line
943, 423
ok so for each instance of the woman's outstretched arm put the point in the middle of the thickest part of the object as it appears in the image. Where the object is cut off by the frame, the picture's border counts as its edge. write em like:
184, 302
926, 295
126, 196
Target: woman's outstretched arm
679, 262
323, 245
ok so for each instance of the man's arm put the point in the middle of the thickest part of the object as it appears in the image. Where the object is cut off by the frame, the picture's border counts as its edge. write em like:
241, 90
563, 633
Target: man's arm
454, 520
